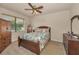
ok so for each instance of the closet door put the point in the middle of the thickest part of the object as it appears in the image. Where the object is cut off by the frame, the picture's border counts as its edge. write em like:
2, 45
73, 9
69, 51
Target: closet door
5, 35
6, 38
1, 44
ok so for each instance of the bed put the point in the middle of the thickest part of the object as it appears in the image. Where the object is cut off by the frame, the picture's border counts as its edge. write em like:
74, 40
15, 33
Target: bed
37, 40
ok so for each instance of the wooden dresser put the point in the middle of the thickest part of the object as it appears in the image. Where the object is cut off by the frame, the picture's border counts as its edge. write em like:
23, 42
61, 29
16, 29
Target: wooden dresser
71, 44
5, 34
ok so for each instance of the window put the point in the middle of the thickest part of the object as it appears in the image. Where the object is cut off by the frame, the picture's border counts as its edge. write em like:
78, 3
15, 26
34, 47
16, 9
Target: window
17, 24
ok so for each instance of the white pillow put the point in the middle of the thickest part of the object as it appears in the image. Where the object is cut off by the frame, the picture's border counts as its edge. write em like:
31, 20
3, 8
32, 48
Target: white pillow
38, 30
45, 30
41, 30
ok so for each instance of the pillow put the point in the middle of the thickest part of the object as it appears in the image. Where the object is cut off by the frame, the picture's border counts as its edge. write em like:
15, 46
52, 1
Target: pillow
38, 30
41, 30
45, 30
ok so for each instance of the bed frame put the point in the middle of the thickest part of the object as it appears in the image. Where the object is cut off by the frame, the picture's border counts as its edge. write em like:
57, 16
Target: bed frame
33, 46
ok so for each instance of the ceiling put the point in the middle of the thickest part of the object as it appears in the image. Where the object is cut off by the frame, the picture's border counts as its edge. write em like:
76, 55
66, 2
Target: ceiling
48, 7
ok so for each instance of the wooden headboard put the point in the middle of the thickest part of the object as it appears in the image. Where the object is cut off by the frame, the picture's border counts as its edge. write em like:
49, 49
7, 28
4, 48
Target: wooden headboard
44, 27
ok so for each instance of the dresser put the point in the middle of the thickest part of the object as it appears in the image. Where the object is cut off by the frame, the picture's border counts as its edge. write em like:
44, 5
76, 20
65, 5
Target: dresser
5, 34
71, 44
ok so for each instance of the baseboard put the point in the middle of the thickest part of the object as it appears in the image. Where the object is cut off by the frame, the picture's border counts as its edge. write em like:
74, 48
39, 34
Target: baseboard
56, 41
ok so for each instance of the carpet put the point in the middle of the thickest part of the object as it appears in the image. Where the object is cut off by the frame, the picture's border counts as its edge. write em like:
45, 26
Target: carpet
52, 48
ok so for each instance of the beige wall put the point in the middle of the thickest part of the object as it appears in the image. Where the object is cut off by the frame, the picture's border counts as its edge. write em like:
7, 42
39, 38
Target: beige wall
26, 21
59, 23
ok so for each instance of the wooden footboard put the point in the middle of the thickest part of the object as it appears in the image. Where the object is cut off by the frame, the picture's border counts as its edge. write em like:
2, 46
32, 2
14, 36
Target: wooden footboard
32, 46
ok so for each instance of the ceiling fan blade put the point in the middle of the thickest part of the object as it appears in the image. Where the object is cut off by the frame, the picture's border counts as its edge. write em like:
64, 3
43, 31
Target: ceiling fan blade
27, 9
30, 5
39, 11
40, 7
33, 12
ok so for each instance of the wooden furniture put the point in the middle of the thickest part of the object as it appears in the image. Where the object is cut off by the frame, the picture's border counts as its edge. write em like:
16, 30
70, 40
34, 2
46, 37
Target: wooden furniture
29, 28
71, 44
5, 35
33, 46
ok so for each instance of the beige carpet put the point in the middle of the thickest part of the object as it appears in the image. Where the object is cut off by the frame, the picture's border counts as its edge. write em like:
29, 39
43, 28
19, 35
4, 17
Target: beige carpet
53, 48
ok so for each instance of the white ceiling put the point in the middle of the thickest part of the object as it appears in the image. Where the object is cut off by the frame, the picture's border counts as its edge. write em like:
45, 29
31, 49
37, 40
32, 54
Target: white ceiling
48, 7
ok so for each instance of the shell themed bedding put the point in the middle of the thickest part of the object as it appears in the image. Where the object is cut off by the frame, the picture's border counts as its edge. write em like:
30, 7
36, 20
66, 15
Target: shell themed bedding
42, 37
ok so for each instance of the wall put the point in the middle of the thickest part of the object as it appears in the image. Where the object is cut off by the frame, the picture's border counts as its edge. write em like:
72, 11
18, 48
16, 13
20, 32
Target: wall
26, 21
59, 23
75, 11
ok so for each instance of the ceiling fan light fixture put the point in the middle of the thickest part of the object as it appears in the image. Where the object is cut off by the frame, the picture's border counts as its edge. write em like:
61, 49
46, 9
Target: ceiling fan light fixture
34, 8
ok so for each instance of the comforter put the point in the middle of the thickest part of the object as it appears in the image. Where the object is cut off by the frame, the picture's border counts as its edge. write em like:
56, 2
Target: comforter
42, 37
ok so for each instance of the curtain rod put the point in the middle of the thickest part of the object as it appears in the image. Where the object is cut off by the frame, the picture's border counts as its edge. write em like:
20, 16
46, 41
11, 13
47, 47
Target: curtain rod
12, 15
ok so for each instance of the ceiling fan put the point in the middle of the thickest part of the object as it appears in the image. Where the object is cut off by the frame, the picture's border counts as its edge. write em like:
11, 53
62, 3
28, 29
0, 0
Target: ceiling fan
34, 8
